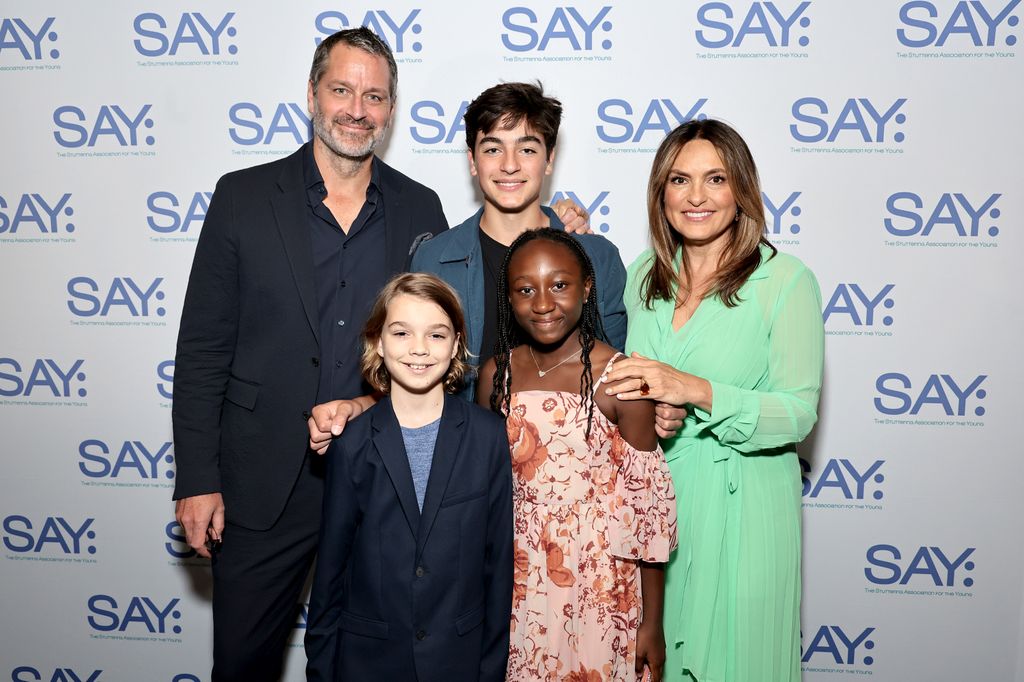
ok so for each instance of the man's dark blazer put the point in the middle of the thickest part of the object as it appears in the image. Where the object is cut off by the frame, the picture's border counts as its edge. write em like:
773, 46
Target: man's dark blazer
247, 364
404, 595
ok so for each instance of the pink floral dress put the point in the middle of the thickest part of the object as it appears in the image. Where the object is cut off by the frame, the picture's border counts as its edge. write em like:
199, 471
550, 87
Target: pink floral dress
585, 515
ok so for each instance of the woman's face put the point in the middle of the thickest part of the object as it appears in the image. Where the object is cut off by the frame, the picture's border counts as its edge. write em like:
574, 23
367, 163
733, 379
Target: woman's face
697, 199
546, 289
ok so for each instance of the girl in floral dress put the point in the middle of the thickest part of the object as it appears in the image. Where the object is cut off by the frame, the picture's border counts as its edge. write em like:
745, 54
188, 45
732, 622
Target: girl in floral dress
593, 498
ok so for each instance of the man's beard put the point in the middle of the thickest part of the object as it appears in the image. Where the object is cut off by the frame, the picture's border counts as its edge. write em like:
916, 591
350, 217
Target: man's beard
346, 145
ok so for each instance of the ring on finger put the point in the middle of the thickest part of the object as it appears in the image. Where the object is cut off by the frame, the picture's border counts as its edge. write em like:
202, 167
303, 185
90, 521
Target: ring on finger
645, 388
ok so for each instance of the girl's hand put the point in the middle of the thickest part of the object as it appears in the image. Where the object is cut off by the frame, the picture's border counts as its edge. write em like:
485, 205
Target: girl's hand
650, 649
639, 378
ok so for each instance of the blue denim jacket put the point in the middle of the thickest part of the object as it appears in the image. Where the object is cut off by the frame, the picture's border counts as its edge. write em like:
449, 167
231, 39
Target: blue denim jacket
455, 257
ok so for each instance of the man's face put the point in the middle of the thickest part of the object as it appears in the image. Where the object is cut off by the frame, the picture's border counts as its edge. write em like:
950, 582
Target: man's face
351, 108
510, 166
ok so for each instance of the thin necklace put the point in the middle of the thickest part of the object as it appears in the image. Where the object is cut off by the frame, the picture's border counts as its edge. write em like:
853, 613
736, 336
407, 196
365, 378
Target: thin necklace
542, 372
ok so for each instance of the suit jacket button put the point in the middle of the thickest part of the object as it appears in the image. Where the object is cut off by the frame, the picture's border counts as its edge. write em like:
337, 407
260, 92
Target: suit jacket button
421, 635
420, 572
306, 415
316, 362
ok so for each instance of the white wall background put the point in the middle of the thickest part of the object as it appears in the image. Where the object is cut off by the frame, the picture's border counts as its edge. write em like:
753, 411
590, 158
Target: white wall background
888, 139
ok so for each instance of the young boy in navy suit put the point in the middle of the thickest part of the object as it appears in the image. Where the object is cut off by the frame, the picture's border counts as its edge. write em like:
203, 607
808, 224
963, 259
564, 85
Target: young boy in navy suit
414, 576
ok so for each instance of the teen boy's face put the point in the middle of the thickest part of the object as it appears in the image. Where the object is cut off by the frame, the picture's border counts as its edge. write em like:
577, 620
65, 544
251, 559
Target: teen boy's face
510, 166
417, 345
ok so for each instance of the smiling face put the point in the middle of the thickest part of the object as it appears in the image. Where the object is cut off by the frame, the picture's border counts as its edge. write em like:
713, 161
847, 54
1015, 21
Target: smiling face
547, 290
351, 107
510, 166
698, 199
417, 345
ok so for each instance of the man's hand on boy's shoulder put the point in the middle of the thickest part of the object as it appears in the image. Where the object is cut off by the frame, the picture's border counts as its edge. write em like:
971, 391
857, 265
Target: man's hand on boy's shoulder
328, 420
573, 216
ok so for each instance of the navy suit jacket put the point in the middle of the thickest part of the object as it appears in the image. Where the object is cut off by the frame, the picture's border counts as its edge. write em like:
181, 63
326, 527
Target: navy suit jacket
410, 596
247, 366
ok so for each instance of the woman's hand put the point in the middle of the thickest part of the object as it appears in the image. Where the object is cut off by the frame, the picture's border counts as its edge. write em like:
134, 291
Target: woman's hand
650, 649
639, 378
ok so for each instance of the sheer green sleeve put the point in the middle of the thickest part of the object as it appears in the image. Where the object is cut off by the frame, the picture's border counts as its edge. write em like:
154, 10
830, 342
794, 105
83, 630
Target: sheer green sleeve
784, 406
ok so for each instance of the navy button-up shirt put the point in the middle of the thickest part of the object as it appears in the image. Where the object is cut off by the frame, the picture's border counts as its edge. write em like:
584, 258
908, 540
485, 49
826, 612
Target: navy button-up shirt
349, 270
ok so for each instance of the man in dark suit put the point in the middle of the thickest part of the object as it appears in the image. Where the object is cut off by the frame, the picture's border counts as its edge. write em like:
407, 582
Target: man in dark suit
290, 257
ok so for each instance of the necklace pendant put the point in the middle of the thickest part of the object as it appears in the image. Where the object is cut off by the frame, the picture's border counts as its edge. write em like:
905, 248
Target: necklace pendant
541, 373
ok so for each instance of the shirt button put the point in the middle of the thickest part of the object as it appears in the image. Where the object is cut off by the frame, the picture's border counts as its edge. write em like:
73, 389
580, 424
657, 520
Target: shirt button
341, 323
421, 635
321, 190
315, 361
338, 363
420, 572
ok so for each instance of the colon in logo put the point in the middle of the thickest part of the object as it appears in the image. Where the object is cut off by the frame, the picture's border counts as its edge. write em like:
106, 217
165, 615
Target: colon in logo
135, 615
394, 28
597, 207
856, 120
28, 40
54, 535
112, 124
779, 213
622, 121
953, 214
842, 478
940, 394
763, 24
42, 376
190, 33
36, 212
973, 23
932, 566
832, 645
131, 459
861, 305
90, 298
566, 28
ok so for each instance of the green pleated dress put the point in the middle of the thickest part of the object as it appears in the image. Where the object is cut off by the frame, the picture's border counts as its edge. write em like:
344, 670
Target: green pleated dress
732, 592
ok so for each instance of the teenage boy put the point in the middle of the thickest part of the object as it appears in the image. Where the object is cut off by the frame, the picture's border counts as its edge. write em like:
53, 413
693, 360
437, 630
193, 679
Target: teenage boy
511, 130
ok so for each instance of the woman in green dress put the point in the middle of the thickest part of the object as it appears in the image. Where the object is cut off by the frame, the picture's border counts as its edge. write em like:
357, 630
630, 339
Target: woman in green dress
724, 325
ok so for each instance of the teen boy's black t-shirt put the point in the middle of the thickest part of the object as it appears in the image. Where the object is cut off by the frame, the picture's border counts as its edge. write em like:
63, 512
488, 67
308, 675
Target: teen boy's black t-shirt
493, 255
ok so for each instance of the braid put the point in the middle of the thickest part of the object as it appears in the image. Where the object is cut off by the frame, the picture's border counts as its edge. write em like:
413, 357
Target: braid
501, 390
509, 334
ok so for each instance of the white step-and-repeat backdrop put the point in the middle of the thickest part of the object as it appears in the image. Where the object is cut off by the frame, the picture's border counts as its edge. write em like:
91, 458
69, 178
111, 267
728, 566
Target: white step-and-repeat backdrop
888, 135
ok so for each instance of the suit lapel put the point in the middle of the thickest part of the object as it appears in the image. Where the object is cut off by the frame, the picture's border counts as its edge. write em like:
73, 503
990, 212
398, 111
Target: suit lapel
397, 221
387, 438
446, 449
292, 223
